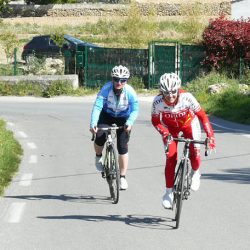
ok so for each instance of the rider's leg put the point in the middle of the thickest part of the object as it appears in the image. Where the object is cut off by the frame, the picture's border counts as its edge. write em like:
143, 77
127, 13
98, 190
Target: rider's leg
194, 132
122, 147
98, 157
98, 146
123, 163
171, 160
98, 149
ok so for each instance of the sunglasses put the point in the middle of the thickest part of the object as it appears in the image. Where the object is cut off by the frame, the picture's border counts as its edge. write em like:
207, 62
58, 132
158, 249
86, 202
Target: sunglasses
167, 93
121, 80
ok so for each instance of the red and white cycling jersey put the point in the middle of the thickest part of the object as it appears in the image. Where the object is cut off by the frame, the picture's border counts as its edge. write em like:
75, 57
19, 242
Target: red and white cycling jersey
180, 115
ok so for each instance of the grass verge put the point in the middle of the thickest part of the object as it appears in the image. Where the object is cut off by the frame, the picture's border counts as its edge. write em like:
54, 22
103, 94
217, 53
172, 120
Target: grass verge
10, 156
230, 104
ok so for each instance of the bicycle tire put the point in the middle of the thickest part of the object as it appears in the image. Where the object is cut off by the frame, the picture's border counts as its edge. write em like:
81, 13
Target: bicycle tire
113, 176
179, 192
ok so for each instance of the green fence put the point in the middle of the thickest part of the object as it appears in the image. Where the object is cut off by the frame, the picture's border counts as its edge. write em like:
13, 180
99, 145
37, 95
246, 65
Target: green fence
93, 64
191, 57
100, 61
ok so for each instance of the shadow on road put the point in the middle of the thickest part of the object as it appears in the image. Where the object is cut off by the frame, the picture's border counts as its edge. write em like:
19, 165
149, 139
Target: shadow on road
241, 176
226, 157
93, 199
141, 221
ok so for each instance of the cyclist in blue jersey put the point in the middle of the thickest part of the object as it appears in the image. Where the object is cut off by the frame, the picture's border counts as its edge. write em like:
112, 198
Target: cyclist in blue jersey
115, 103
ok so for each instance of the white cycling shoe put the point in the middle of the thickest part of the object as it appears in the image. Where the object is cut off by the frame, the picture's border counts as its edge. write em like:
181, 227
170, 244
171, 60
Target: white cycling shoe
99, 163
123, 183
195, 184
167, 199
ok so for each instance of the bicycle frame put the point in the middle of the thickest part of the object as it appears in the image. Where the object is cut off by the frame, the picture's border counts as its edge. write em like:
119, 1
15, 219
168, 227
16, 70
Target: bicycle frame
108, 145
182, 181
111, 170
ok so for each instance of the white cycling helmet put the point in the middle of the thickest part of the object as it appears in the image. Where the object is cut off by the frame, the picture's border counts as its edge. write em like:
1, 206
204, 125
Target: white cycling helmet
120, 72
169, 82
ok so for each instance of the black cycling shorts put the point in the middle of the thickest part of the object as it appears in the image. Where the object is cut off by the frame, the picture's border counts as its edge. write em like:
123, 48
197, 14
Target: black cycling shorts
106, 120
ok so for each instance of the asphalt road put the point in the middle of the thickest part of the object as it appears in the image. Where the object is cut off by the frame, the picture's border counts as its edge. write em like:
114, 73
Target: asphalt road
58, 201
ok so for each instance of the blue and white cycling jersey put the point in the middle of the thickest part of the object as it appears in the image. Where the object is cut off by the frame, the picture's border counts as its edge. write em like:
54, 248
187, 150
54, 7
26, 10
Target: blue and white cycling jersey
125, 106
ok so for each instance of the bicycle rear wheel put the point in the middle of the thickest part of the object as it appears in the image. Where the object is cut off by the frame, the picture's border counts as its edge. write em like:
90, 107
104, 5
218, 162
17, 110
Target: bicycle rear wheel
178, 194
113, 176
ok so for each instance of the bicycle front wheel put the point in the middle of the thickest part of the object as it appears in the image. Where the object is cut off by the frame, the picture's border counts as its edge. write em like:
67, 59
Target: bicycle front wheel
113, 175
178, 195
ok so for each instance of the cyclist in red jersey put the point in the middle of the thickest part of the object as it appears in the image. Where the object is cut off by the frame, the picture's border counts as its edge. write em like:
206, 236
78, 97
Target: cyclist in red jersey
173, 111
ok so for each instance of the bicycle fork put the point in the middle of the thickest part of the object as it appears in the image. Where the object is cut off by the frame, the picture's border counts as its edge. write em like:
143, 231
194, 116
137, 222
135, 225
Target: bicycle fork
187, 182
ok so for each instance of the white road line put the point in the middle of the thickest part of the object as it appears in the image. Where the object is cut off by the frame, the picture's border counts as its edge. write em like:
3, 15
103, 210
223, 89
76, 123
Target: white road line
15, 212
33, 159
234, 129
25, 180
22, 134
31, 145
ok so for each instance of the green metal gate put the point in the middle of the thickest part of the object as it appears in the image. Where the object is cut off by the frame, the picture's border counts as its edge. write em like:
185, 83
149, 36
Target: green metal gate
162, 59
166, 57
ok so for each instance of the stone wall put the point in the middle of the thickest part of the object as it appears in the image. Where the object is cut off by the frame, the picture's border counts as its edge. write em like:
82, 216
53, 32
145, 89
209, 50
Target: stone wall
42, 80
162, 9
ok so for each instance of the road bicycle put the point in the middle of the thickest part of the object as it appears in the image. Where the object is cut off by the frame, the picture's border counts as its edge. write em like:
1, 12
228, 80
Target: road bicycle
111, 171
182, 178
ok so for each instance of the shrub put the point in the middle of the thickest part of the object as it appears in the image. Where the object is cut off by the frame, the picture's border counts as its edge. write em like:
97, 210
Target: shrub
20, 89
230, 104
233, 106
58, 88
246, 77
4, 7
58, 36
136, 82
9, 41
54, 88
226, 41
6, 69
194, 24
139, 31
